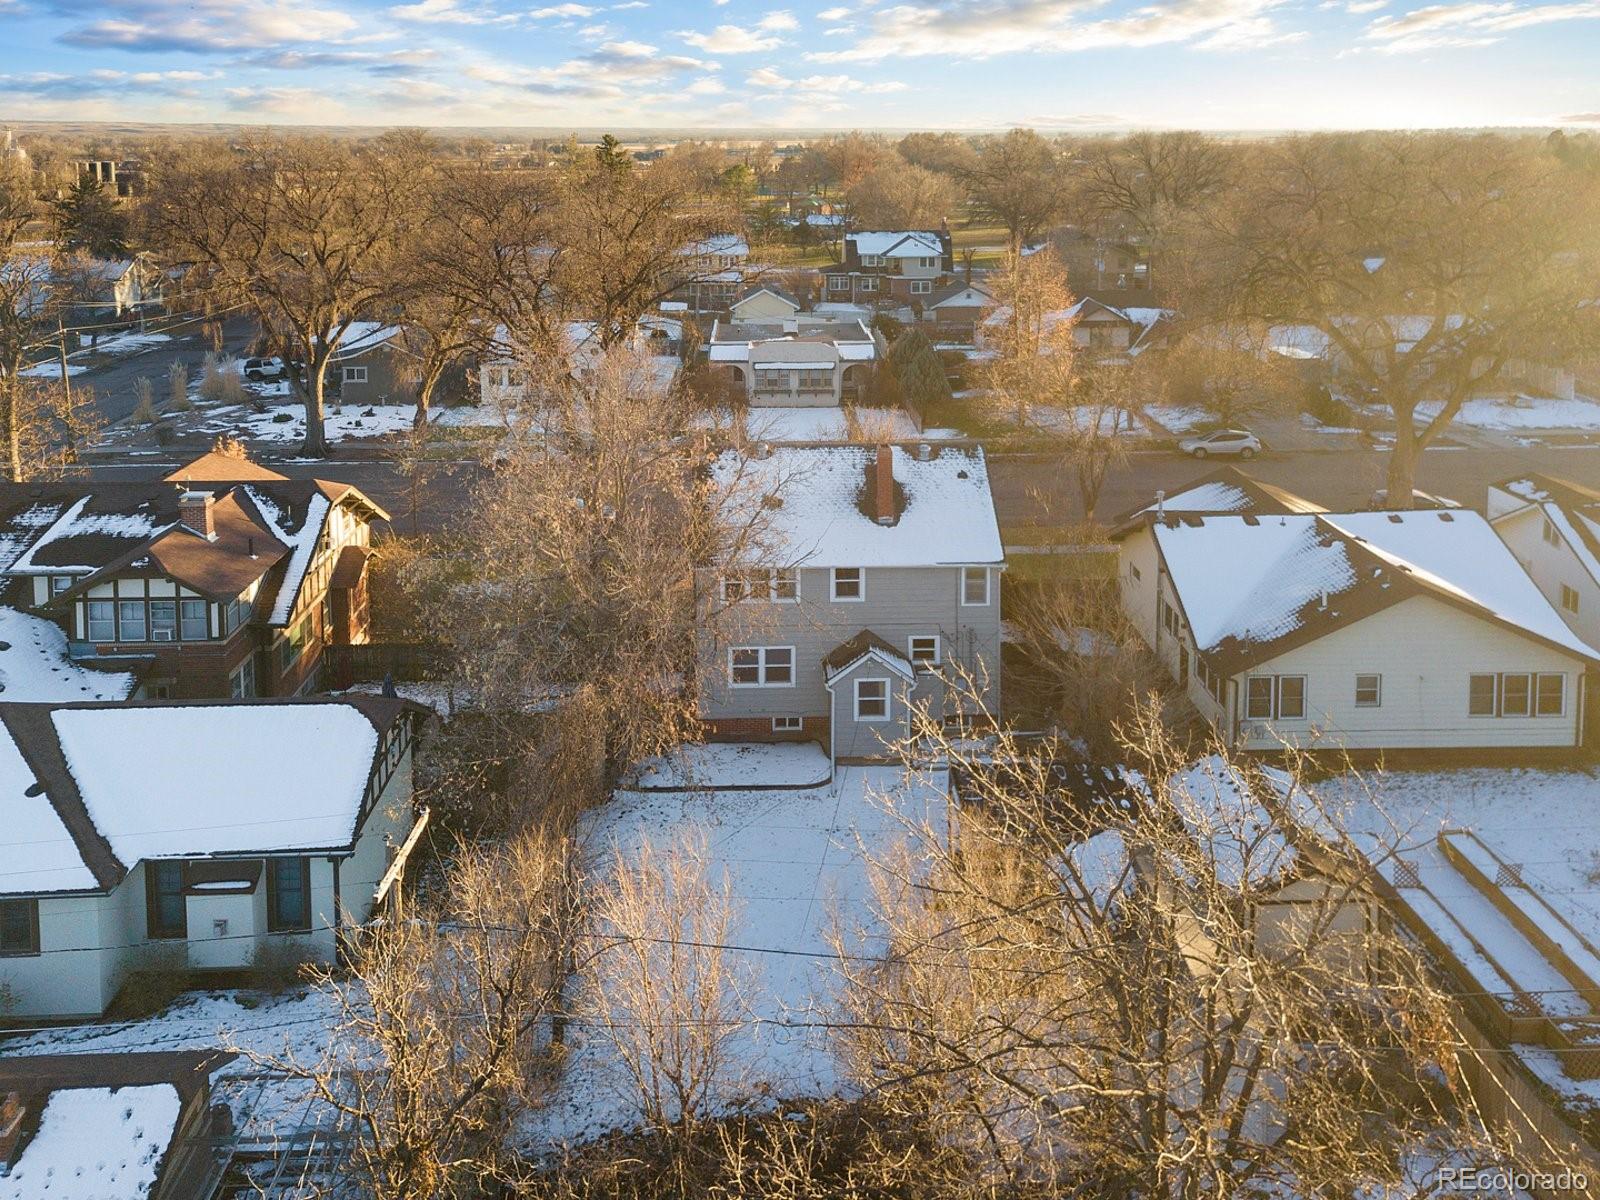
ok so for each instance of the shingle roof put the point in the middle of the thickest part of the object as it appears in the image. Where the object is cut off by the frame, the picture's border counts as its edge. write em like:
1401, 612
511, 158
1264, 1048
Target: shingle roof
866, 644
1221, 491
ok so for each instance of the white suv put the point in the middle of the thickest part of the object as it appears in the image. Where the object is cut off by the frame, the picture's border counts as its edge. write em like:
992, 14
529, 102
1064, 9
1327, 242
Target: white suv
1224, 441
263, 368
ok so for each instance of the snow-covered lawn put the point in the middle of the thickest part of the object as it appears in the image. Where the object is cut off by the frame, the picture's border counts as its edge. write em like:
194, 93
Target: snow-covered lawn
731, 765
797, 425
794, 862
1176, 418
286, 422
50, 369
1516, 413
130, 341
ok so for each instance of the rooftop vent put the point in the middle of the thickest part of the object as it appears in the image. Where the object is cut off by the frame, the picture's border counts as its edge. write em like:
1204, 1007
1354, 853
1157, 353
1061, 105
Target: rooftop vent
1444, 516
1395, 518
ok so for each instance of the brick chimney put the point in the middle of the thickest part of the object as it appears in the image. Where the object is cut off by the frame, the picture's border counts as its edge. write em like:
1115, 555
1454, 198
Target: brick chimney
11, 1111
194, 512
883, 487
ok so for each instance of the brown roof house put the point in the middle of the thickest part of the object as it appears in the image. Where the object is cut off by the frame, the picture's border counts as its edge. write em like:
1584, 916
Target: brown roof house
233, 585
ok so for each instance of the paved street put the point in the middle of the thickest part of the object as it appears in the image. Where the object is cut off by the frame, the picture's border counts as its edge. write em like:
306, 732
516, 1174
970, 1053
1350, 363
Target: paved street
113, 383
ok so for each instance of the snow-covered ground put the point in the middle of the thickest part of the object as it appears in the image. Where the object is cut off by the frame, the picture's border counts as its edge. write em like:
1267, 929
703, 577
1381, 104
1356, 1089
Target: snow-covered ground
1176, 418
128, 1129
735, 765
795, 862
1513, 414
34, 666
50, 369
342, 421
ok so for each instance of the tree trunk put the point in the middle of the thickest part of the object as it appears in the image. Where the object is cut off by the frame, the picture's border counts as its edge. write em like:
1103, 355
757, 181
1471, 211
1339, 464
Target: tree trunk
316, 443
1402, 475
11, 425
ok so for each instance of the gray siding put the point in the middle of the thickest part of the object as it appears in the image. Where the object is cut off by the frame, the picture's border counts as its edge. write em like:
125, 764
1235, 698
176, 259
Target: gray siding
900, 602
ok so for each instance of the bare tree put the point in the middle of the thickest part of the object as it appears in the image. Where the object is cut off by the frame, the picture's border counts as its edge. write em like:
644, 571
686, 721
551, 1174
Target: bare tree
1034, 360
1015, 180
443, 1035
1105, 997
899, 195
1426, 265
302, 231
661, 992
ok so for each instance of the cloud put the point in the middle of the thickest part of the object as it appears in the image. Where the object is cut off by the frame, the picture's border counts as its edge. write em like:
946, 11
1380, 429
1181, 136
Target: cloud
282, 101
705, 87
833, 14
1468, 24
571, 12
202, 26
983, 28
386, 63
778, 22
55, 86
1581, 119
770, 79
1365, 6
448, 12
628, 5
730, 39
613, 71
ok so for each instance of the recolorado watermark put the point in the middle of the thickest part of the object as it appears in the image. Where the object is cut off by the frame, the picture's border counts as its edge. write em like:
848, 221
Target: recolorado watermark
1509, 1180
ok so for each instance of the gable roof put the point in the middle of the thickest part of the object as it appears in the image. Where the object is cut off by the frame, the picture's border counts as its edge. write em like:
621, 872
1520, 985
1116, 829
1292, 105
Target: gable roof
1220, 491
767, 288
899, 243
214, 466
89, 790
1572, 508
1253, 587
956, 290
848, 655
815, 518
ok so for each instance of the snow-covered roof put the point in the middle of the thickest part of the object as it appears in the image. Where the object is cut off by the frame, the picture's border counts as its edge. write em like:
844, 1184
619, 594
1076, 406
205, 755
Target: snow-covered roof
1225, 490
718, 244
88, 790
363, 336
1218, 806
302, 543
35, 667
96, 1143
1573, 509
129, 526
1247, 583
948, 517
902, 243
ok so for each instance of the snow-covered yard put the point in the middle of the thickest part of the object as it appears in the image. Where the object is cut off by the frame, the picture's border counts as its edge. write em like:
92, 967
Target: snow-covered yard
286, 422
795, 862
1513, 414
735, 765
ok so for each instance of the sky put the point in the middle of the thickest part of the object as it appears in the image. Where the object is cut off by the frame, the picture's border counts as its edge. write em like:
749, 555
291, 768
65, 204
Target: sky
1087, 65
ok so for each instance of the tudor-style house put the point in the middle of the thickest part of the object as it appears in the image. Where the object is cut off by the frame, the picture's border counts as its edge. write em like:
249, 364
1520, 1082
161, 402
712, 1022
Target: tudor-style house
876, 586
896, 267
1358, 631
192, 837
223, 579
1553, 528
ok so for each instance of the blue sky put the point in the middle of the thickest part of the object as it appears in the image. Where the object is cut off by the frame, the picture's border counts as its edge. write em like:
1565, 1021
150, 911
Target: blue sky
1054, 64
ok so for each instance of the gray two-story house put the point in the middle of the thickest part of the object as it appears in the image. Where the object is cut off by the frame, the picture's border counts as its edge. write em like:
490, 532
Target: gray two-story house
875, 588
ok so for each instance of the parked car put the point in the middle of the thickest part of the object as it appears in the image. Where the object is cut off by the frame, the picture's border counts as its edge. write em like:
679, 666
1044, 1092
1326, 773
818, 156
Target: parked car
1380, 500
1223, 441
263, 368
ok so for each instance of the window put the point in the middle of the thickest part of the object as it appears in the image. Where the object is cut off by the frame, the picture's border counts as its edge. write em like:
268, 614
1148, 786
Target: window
927, 262
924, 650
761, 666
1482, 691
59, 584
19, 927
816, 379
838, 283
236, 614
869, 283
293, 643
1168, 617
355, 374
1369, 691
1550, 533
163, 620
166, 914
195, 625
102, 621
849, 584
130, 620
974, 585
872, 260
1516, 695
1550, 698
921, 287
872, 699
780, 586
1569, 598
288, 894
1133, 573
788, 724
1275, 697
242, 683
785, 585
1183, 661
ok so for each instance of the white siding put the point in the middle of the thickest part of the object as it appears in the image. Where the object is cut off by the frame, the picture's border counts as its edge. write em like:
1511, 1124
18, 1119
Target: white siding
1550, 567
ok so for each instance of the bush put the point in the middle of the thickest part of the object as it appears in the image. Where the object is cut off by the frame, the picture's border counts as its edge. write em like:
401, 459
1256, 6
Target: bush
178, 388
220, 382
281, 964
1328, 408
144, 411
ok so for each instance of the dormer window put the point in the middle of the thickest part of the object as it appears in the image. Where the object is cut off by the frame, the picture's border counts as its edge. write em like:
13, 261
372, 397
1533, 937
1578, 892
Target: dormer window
59, 584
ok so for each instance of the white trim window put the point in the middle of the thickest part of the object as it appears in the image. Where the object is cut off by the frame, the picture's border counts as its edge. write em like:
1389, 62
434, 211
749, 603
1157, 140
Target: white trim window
355, 374
838, 283
868, 283
922, 287
761, 666
788, 724
1517, 694
923, 651
872, 699
872, 260
1369, 690
1275, 697
974, 587
849, 584
776, 585
1569, 598
1550, 533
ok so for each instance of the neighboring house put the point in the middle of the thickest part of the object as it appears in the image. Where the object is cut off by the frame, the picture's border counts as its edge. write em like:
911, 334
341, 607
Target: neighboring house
957, 309
715, 271
1219, 492
897, 267
124, 289
1096, 264
233, 585
368, 366
877, 584
1553, 528
1103, 332
131, 1125
764, 303
503, 374
1366, 631
191, 837
805, 361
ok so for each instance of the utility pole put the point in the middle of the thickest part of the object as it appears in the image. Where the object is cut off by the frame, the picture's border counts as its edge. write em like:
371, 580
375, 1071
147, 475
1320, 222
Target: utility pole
66, 379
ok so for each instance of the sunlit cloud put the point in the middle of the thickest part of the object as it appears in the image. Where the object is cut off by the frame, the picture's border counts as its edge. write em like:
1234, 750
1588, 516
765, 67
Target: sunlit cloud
731, 39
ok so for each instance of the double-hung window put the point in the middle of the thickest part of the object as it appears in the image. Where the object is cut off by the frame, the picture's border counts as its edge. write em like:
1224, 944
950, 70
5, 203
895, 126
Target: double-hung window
288, 894
838, 283
355, 374
1517, 694
761, 666
924, 650
849, 583
1569, 598
59, 584
780, 585
1369, 691
163, 620
166, 910
1275, 697
1550, 533
921, 287
130, 621
974, 586
872, 699
19, 927
194, 623
102, 621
